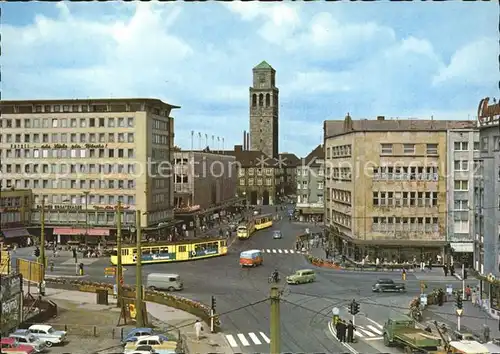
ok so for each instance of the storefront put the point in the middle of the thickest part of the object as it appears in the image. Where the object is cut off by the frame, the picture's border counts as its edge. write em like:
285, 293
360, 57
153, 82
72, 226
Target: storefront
18, 236
65, 235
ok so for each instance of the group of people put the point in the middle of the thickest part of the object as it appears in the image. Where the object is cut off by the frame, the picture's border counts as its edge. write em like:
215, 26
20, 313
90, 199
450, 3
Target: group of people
345, 331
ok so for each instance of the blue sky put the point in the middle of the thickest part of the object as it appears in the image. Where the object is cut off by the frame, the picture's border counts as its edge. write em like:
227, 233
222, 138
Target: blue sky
417, 59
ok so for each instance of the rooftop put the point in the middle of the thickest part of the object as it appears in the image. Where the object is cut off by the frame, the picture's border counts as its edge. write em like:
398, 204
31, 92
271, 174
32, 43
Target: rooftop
290, 160
317, 153
348, 125
263, 65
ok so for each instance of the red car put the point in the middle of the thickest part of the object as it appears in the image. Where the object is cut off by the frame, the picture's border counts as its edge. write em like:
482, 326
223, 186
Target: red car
11, 345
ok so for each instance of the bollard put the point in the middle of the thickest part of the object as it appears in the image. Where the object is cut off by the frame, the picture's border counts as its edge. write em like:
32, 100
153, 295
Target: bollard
113, 333
65, 328
95, 331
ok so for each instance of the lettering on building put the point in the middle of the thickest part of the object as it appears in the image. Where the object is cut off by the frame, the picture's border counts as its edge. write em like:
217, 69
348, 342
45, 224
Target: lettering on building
61, 207
109, 207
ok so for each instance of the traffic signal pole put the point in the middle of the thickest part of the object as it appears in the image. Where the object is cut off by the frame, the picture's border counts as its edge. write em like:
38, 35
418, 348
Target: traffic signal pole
119, 269
139, 303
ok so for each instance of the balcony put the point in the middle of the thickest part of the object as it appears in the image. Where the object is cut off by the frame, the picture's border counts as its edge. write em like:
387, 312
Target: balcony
182, 188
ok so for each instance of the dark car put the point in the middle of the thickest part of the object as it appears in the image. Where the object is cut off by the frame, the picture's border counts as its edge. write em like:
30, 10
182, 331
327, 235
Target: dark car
383, 285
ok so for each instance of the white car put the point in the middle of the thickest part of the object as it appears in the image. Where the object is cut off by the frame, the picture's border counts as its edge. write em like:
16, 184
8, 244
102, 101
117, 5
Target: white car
45, 333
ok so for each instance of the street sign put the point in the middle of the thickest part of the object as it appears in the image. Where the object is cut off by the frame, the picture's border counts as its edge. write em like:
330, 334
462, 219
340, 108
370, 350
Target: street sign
111, 271
460, 311
449, 289
335, 311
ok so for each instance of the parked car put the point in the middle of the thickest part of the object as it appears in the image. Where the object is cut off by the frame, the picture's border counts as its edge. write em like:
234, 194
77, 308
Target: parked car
157, 342
46, 333
30, 339
301, 276
135, 333
11, 345
143, 349
277, 234
383, 285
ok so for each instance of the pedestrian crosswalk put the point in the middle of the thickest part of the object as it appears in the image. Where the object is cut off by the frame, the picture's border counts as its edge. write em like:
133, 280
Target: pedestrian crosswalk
254, 338
282, 251
367, 332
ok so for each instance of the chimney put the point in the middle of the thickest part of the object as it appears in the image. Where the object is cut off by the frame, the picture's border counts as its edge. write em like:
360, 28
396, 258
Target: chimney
379, 118
248, 141
237, 148
244, 139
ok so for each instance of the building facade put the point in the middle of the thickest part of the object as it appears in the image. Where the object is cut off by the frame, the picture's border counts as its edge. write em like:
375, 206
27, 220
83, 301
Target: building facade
289, 178
386, 187
15, 215
310, 185
203, 179
264, 111
258, 177
464, 166
82, 157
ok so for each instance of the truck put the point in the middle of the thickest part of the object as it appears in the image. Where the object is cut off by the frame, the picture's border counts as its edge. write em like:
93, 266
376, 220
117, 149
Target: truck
401, 330
383, 285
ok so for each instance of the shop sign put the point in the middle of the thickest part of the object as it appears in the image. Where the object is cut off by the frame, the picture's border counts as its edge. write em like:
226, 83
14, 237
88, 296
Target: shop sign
73, 146
488, 114
60, 207
109, 207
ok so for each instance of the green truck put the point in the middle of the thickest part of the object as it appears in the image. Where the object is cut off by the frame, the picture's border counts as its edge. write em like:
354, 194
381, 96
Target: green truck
400, 330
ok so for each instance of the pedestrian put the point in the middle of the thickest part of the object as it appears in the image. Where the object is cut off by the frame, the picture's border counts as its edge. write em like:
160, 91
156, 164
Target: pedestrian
445, 270
198, 328
343, 334
350, 332
338, 326
468, 291
474, 298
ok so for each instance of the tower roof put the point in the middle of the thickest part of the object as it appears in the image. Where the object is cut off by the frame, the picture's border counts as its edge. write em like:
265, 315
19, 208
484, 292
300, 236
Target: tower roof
264, 65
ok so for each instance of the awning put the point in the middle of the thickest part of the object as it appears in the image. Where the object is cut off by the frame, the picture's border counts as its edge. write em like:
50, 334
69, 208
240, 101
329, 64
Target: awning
462, 246
12, 233
69, 231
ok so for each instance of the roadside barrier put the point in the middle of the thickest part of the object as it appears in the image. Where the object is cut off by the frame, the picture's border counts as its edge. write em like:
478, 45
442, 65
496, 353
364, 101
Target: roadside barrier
193, 307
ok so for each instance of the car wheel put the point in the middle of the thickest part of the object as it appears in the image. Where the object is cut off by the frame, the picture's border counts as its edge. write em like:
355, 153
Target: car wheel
48, 344
152, 288
171, 288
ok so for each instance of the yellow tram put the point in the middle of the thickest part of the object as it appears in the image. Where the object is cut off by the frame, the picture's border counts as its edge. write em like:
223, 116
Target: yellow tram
258, 222
172, 251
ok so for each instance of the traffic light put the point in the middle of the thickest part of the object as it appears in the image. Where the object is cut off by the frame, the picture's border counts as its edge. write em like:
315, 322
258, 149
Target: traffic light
37, 252
213, 303
459, 302
353, 307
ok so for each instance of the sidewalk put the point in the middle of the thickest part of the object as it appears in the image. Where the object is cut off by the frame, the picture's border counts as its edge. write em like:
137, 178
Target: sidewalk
209, 343
472, 321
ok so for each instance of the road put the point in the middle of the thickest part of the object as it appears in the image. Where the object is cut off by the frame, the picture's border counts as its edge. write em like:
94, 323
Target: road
306, 310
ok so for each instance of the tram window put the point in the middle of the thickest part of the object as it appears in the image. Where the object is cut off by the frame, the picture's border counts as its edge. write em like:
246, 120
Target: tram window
124, 252
164, 250
182, 248
222, 243
114, 253
155, 250
146, 251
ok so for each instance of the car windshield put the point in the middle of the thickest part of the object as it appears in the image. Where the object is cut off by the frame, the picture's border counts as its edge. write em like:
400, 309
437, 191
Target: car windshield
50, 330
242, 228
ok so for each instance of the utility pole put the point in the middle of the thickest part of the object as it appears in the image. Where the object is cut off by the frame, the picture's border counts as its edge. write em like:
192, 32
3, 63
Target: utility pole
275, 321
139, 317
86, 194
119, 269
42, 238
463, 279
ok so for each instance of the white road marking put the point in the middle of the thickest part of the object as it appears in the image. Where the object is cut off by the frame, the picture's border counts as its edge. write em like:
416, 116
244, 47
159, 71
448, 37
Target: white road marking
274, 251
268, 251
286, 251
375, 338
374, 329
292, 251
375, 323
265, 337
356, 333
231, 341
254, 338
368, 333
243, 340
280, 251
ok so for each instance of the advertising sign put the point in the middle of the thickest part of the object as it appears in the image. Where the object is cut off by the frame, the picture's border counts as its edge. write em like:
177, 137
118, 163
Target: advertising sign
487, 114
11, 292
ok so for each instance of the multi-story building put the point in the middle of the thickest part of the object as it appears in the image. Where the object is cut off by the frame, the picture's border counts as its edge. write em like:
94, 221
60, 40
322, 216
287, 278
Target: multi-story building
15, 215
81, 157
264, 111
487, 204
204, 184
310, 185
463, 166
386, 187
258, 177
289, 178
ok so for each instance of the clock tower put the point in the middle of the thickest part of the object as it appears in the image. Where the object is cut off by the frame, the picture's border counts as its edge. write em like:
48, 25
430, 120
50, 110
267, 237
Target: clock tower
264, 110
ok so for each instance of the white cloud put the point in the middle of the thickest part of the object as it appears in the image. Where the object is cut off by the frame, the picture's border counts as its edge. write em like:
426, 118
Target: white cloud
475, 63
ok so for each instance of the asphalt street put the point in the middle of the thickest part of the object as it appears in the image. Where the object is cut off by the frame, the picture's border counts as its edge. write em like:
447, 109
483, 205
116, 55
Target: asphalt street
306, 310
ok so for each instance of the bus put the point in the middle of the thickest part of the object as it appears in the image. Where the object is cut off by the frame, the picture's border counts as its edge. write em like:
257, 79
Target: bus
162, 252
258, 222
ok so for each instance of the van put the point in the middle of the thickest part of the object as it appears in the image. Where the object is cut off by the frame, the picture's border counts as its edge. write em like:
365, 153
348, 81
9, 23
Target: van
251, 258
160, 281
301, 277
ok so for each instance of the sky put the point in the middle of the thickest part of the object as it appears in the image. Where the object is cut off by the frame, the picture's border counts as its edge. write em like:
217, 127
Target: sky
400, 60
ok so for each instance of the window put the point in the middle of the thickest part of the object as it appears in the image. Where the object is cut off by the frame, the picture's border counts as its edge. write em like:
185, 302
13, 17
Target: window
72, 123
476, 146
461, 185
432, 149
461, 226
386, 148
83, 123
92, 122
461, 165
409, 148
484, 144
54, 123
461, 205
320, 185
496, 143
130, 122
111, 122
375, 198
461, 146
101, 122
